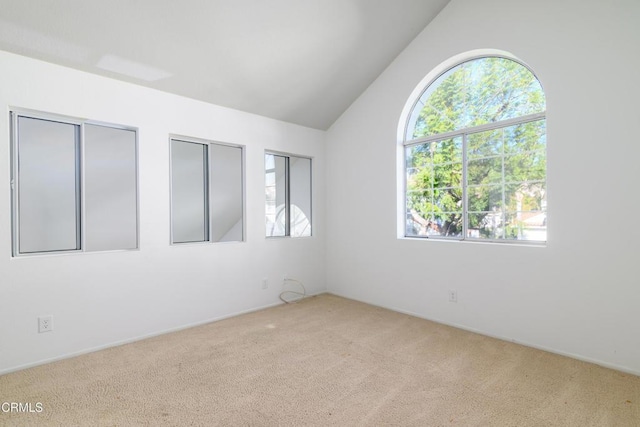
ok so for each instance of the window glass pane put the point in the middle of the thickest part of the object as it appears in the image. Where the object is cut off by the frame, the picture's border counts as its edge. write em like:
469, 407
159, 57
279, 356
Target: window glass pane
527, 166
275, 195
415, 225
511, 180
525, 197
48, 195
524, 225
420, 199
418, 156
110, 188
447, 174
420, 225
485, 171
300, 197
486, 225
447, 150
226, 193
529, 136
189, 200
419, 167
518, 212
447, 224
474, 93
434, 188
419, 211
447, 199
485, 144
485, 198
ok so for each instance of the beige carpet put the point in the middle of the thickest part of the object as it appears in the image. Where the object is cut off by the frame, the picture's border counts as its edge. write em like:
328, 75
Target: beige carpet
324, 361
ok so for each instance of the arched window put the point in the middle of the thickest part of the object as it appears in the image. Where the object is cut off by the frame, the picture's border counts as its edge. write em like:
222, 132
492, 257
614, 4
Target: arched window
475, 155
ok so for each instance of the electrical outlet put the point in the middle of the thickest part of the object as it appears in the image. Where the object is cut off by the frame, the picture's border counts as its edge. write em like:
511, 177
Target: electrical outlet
453, 296
45, 324
265, 283
285, 277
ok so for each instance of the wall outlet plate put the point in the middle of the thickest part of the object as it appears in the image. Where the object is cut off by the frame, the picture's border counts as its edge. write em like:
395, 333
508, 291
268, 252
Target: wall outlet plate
45, 324
453, 296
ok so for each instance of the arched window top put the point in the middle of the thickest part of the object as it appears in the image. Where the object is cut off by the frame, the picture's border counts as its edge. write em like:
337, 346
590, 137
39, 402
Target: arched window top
473, 93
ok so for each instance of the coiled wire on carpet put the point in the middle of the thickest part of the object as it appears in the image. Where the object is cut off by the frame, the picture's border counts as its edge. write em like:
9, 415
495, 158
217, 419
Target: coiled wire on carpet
291, 296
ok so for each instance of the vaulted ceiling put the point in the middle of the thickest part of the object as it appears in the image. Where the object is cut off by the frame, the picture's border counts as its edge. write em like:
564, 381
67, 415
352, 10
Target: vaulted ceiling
301, 61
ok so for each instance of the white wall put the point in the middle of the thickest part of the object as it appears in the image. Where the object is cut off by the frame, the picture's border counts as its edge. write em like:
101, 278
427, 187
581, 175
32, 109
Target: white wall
579, 295
99, 299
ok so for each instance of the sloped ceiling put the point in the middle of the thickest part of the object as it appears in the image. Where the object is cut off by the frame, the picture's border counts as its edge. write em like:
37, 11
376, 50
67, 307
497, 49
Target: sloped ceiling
300, 61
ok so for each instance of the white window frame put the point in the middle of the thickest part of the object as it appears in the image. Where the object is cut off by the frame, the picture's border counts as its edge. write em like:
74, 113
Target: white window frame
287, 198
14, 114
208, 190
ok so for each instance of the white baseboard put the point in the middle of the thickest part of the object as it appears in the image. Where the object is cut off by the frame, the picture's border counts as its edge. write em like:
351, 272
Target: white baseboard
598, 362
134, 339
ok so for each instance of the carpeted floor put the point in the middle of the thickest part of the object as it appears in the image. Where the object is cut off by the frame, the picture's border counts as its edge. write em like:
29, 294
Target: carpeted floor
324, 361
